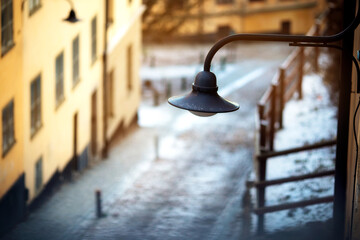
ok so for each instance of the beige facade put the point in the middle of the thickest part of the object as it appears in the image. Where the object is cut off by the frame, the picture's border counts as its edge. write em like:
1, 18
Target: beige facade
46, 36
11, 163
124, 52
65, 109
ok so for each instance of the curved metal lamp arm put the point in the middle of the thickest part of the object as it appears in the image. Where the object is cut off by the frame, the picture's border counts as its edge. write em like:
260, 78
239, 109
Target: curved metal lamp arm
71, 4
338, 48
280, 38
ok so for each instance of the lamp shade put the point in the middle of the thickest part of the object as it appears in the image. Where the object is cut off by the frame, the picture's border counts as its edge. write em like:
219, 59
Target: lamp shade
72, 17
204, 100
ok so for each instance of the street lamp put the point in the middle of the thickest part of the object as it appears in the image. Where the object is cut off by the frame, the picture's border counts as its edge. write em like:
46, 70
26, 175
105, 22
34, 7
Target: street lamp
204, 101
71, 18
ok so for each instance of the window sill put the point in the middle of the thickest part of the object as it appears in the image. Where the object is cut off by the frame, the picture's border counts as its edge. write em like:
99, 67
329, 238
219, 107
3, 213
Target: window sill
93, 60
35, 131
109, 23
59, 103
75, 83
7, 49
225, 3
32, 12
9, 148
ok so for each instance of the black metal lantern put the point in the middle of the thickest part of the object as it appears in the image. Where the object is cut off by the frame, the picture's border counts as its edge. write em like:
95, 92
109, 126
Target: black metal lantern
204, 100
72, 17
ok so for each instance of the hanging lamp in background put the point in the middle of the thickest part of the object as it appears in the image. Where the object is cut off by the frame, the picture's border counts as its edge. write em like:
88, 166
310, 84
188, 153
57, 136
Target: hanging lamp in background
72, 15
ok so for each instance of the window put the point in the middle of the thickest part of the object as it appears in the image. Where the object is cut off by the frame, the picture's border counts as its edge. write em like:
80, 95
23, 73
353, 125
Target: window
93, 39
110, 94
8, 138
6, 26
110, 12
34, 5
129, 67
59, 78
75, 60
176, 5
35, 105
38, 175
224, 1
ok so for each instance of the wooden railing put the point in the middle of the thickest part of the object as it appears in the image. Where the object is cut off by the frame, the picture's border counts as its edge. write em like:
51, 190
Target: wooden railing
286, 82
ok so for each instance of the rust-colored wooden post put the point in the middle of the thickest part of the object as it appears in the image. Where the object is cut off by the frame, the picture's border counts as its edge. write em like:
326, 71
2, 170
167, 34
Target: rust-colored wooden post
261, 165
301, 71
261, 192
263, 138
281, 95
272, 117
316, 50
262, 134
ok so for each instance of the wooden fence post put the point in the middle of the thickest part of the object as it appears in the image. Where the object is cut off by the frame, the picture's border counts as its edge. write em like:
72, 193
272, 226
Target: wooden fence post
316, 50
301, 71
261, 165
261, 192
281, 95
272, 117
262, 133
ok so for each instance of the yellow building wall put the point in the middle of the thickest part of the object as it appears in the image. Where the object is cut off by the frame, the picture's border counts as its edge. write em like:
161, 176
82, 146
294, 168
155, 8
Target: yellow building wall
243, 16
301, 21
11, 164
125, 31
46, 35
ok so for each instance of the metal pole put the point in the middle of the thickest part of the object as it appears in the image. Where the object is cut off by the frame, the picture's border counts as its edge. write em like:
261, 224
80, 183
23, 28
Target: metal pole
343, 128
156, 146
98, 203
183, 83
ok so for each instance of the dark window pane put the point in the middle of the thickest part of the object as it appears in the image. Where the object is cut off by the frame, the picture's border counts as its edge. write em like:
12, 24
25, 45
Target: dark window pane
129, 67
93, 39
8, 138
35, 105
59, 74
6, 25
75, 58
38, 175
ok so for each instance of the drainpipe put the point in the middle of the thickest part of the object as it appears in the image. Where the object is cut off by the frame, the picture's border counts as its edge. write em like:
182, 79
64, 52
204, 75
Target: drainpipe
104, 57
343, 125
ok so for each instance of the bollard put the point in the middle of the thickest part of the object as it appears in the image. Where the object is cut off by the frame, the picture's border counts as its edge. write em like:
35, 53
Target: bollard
98, 203
222, 63
183, 84
201, 58
156, 147
152, 61
168, 89
156, 97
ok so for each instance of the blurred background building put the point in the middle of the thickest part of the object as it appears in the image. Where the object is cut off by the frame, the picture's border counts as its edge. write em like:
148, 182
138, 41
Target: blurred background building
66, 89
212, 19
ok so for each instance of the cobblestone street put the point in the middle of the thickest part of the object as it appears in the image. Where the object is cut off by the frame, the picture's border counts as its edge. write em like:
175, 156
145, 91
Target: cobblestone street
193, 190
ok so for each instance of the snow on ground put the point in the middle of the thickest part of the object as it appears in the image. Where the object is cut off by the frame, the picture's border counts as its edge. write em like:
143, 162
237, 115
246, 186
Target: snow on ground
310, 120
